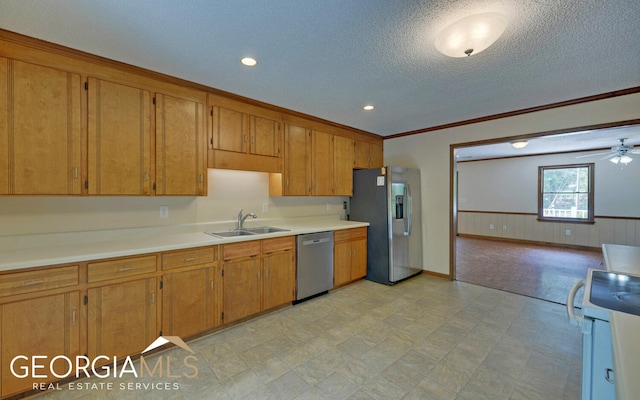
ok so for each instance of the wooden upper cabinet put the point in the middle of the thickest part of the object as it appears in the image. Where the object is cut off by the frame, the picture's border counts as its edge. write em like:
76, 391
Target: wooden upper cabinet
119, 139
229, 130
297, 156
367, 153
40, 129
376, 153
264, 136
243, 136
180, 135
322, 164
342, 166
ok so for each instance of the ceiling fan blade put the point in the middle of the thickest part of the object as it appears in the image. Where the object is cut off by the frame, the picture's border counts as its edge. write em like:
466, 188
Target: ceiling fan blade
593, 155
609, 156
635, 150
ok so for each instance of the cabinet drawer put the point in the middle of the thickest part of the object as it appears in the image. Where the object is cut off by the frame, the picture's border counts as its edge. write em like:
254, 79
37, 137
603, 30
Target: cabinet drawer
278, 244
183, 258
239, 250
114, 269
33, 281
348, 234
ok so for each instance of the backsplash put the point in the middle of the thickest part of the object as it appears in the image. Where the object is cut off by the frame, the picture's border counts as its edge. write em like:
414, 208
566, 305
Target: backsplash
229, 191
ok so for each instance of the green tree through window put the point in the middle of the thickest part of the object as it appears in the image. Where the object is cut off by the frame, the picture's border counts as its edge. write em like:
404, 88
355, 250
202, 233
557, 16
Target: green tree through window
566, 193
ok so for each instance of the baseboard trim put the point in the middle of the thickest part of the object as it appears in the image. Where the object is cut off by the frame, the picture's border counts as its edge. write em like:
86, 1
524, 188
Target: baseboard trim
437, 275
512, 240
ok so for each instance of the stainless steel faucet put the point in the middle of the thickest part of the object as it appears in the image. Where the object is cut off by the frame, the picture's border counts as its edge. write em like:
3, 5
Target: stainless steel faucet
241, 218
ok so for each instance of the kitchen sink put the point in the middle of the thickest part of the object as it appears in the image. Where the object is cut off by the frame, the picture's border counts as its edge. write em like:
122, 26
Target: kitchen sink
616, 291
265, 229
225, 234
247, 231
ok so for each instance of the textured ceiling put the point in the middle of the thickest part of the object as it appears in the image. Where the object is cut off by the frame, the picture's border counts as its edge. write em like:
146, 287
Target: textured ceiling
329, 58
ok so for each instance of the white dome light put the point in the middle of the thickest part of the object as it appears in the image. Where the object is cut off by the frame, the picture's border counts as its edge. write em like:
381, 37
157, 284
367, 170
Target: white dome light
248, 61
471, 35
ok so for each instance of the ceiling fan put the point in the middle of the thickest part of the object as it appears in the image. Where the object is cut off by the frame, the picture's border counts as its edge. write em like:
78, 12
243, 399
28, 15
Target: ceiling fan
618, 154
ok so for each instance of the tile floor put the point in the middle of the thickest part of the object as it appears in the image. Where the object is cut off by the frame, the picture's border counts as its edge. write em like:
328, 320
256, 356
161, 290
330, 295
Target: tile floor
536, 270
424, 338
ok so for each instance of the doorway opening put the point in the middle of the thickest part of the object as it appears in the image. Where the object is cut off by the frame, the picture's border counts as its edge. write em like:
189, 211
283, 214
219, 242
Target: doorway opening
497, 239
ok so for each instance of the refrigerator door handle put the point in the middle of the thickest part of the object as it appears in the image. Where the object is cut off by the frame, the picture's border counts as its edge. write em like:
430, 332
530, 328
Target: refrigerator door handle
409, 215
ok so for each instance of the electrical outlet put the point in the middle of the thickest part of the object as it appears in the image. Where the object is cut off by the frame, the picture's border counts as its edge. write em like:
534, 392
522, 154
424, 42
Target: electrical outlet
567, 232
491, 226
265, 208
164, 211
504, 227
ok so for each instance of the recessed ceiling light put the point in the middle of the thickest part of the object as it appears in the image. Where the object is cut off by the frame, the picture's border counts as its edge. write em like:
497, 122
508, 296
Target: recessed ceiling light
519, 144
248, 61
368, 107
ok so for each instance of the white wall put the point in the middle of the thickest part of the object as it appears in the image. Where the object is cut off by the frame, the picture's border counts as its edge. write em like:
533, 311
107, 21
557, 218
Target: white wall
430, 152
511, 184
229, 191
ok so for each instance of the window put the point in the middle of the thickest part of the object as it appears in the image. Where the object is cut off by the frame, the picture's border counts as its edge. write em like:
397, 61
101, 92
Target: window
565, 193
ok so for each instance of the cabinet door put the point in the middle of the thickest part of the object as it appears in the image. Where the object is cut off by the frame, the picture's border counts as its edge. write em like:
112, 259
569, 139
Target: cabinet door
358, 259
119, 128
122, 318
46, 326
241, 289
361, 155
43, 130
375, 151
229, 130
279, 279
342, 166
297, 161
265, 136
180, 162
4, 126
341, 263
187, 302
322, 164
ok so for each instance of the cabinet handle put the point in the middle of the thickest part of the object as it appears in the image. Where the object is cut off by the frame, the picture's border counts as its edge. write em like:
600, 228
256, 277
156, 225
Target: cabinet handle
34, 282
146, 176
73, 316
124, 269
153, 297
607, 375
189, 259
258, 274
212, 285
75, 173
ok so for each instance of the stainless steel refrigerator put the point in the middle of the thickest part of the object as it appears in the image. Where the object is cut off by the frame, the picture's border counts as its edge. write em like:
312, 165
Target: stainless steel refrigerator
389, 199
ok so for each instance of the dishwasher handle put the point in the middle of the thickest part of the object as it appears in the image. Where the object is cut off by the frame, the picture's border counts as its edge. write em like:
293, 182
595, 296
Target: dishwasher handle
315, 241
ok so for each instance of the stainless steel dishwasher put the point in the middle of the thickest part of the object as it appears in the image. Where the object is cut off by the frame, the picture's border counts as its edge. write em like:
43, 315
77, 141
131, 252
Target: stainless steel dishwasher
315, 264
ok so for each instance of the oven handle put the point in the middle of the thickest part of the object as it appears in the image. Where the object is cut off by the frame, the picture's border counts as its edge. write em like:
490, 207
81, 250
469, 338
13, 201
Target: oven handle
574, 320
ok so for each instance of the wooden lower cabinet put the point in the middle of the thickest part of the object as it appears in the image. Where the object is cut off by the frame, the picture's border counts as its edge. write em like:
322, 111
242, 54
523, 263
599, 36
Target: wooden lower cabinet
258, 275
44, 326
279, 279
241, 289
188, 302
349, 256
121, 318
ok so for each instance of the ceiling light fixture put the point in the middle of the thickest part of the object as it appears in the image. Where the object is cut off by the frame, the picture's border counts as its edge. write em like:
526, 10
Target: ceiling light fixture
471, 35
368, 107
519, 144
622, 159
248, 61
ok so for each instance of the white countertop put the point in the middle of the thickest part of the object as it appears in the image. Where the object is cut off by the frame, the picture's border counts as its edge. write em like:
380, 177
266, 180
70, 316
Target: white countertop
153, 240
625, 328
